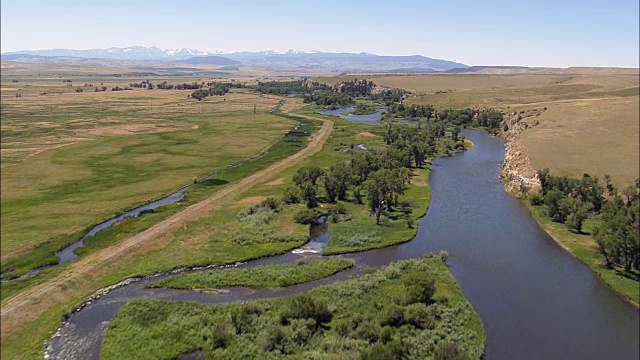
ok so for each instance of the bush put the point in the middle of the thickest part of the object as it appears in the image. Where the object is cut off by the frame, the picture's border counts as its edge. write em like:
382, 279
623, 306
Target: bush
271, 203
411, 223
275, 339
306, 216
444, 256
419, 288
308, 307
419, 316
368, 331
393, 316
536, 199
291, 195
220, 336
448, 351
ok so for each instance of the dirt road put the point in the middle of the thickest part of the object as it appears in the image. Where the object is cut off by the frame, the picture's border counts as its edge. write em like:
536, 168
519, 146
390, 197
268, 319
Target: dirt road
34, 302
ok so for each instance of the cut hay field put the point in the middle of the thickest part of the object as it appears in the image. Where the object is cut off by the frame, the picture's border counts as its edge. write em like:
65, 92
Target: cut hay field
71, 160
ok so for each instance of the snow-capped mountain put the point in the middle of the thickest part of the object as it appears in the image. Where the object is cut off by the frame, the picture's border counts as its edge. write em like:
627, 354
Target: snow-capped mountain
128, 53
290, 59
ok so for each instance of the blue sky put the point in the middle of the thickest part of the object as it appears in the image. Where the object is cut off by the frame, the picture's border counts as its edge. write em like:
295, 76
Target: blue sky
532, 33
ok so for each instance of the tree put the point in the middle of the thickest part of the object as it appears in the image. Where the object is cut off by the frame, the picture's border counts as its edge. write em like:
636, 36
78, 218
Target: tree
307, 174
611, 190
579, 213
336, 181
545, 180
381, 188
631, 194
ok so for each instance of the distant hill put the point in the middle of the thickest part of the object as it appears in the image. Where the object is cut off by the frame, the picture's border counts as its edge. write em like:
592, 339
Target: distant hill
207, 60
290, 60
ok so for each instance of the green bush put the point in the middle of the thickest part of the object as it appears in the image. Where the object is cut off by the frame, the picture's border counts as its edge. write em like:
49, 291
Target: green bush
536, 199
393, 316
220, 336
306, 216
419, 288
291, 195
419, 316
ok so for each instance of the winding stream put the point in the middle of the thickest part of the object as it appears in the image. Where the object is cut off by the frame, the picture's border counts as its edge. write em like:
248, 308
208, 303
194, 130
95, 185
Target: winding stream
536, 300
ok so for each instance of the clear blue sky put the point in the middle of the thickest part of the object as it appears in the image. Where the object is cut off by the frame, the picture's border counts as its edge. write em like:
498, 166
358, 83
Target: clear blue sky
533, 33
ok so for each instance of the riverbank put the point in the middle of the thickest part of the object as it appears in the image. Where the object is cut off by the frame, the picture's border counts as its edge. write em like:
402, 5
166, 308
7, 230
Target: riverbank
517, 172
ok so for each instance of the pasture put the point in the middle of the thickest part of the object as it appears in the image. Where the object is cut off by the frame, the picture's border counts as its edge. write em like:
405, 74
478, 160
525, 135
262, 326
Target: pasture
71, 160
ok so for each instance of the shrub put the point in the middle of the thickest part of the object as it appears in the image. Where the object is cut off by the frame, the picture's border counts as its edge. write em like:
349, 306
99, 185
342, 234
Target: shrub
411, 223
419, 316
308, 307
393, 316
306, 216
536, 199
448, 351
386, 334
291, 195
444, 256
419, 288
368, 331
275, 339
271, 203
220, 336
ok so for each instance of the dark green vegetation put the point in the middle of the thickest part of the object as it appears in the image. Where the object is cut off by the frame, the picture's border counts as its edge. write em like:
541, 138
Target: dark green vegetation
45, 254
490, 120
347, 92
289, 87
268, 276
412, 309
597, 223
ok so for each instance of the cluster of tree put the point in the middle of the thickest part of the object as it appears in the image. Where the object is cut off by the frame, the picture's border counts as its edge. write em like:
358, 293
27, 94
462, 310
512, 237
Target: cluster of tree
485, 118
400, 110
144, 84
572, 201
218, 89
289, 87
103, 88
354, 88
329, 98
380, 174
118, 88
388, 97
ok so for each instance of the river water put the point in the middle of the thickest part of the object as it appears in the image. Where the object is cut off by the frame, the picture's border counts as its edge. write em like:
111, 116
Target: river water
535, 300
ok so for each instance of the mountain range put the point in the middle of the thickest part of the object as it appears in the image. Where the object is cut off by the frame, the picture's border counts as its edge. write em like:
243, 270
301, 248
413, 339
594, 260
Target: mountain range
347, 62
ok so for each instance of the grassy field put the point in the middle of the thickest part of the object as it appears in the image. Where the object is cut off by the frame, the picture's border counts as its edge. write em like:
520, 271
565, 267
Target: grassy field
375, 315
268, 276
594, 136
584, 247
69, 163
131, 226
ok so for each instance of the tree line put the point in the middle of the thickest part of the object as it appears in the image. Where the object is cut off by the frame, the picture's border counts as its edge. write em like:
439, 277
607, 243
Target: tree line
572, 201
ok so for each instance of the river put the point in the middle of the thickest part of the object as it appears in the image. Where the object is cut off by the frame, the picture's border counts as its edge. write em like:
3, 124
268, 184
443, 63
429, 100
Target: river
535, 300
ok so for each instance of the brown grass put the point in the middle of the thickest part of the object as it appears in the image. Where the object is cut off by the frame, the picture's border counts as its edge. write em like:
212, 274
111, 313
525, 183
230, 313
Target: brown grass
250, 200
365, 134
275, 182
598, 137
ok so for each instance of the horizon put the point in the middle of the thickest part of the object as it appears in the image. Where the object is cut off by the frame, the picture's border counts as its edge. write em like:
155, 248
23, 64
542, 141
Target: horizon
214, 53
570, 34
